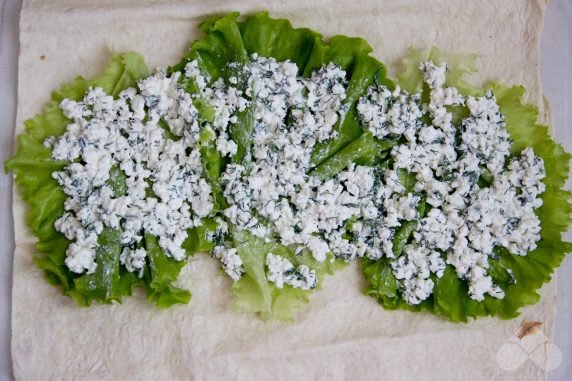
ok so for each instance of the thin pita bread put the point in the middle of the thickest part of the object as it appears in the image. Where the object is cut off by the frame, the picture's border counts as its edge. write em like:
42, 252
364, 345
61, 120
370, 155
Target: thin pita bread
341, 334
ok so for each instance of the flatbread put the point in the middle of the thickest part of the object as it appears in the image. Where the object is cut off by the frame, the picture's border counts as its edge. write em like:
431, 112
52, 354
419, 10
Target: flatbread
341, 334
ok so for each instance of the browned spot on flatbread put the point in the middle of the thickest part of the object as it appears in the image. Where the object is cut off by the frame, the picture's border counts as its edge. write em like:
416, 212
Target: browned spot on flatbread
42, 57
528, 328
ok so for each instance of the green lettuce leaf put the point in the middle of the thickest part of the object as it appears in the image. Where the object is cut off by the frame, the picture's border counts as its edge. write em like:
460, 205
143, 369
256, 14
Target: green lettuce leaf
254, 293
277, 38
228, 40
200, 237
410, 78
519, 276
221, 45
164, 271
33, 166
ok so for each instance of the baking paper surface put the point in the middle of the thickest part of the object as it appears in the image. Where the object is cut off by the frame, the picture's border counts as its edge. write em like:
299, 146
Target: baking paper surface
341, 334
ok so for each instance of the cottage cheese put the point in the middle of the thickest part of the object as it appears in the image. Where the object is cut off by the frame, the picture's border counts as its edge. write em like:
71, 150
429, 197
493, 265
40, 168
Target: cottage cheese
433, 180
281, 271
466, 222
165, 193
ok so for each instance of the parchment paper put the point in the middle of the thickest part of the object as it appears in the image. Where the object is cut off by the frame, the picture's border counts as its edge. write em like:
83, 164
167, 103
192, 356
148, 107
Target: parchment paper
341, 334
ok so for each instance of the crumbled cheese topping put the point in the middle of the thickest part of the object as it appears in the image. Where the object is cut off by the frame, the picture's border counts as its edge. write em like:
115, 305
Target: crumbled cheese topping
467, 219
389, 113
449, 195
165, 193
231, 262
414, 268
281, 271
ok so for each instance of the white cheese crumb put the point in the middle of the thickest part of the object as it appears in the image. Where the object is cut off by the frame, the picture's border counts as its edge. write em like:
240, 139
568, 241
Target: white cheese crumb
231, 262
281, 271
